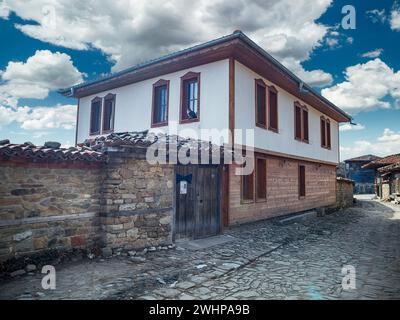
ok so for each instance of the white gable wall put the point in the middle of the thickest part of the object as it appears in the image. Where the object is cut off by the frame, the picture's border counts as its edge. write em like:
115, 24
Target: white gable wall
282, 142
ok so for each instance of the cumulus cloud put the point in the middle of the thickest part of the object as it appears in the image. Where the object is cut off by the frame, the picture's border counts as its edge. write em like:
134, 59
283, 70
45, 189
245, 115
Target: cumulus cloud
42, 72
366, 87
392, 17
386, 144
39, 118
351, 127
373, 54
377, 15
35, 78
131, 31
318, 78
395, 18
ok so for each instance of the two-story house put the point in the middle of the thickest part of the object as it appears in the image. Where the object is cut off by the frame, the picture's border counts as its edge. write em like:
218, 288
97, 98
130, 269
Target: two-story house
229, 83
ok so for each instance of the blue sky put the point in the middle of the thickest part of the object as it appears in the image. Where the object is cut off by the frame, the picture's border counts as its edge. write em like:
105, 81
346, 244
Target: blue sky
52, 44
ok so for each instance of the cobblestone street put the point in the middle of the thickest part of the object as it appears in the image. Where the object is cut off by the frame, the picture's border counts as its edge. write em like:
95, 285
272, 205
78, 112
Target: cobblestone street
265, 260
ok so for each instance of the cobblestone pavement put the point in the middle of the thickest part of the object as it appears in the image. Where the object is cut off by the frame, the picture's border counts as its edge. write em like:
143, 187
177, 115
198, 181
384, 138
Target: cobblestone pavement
265, 261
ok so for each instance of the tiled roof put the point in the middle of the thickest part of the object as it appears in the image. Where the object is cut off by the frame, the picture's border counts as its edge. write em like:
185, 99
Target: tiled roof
145, 139
383, 161
391, 167
368, 157
30, 151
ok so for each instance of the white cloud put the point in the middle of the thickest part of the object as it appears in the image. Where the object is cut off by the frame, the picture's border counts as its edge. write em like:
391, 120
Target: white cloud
377, 15
332, 42
316, 78
395, 18
130, 31
388, 143
4, 10
40, 118
351, 127
373, 54
41, 73
366, 87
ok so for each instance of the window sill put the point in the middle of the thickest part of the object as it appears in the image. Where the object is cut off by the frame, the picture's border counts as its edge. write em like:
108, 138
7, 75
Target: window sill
273, 130
107, 131
184, 121
160, 124
261, 200
94, 133
261, 126
303, 141
246, 201
302, 197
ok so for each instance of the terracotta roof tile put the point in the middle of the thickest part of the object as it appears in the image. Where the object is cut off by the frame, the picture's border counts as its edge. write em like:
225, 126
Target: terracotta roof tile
368, 157
30, 151
145, 139
383, 161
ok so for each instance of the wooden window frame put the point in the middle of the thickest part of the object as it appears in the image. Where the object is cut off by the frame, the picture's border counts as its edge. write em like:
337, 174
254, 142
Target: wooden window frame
189, 76
94, 100
328, 134
326, 128
273, 90
299, 181
303, 109
242, 199
108, 97
261, 83
297, 105
264, 199
159, 83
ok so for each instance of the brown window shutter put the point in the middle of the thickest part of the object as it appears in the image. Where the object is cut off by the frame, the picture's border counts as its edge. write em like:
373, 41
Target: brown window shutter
302, 181
261, 105
273, 110
323, 139
305, 125
328, 134
297, 122
261, 174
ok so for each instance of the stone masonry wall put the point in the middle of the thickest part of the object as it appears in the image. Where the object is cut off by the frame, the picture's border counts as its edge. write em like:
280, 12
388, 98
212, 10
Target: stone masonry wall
137, 202
48, 206
344, 193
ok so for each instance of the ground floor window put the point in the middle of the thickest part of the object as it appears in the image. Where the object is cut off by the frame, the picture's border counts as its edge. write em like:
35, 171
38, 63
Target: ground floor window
302, 181
261, 177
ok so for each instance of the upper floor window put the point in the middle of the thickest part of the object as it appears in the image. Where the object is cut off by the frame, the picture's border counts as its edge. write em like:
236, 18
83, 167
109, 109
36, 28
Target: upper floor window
190, 97
261, 104
95, 116
108, 113
160, 103
273, 109
325, 133
301, 131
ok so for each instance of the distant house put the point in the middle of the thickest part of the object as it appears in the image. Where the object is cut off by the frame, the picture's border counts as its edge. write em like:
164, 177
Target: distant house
364, 178
387, 178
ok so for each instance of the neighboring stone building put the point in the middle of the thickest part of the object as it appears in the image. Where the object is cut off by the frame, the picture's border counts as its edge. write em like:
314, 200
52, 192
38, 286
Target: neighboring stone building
106, 197
364, 178
387, 180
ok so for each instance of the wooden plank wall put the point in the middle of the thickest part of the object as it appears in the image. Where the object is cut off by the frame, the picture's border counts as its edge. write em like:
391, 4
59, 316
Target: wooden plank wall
282, 190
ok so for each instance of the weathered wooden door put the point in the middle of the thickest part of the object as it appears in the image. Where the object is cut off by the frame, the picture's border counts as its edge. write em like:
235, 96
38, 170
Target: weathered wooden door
197, 206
